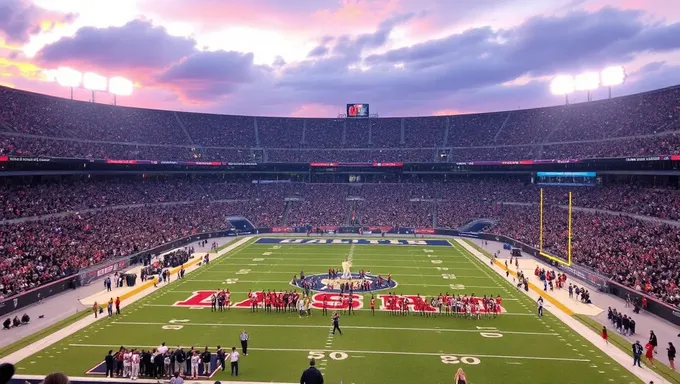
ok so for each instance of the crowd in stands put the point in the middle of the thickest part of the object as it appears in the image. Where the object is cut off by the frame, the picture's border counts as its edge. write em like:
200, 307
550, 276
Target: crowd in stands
95, 223
636, 125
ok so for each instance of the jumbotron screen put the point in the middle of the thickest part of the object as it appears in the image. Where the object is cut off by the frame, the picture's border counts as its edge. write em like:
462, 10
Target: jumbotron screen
357, 110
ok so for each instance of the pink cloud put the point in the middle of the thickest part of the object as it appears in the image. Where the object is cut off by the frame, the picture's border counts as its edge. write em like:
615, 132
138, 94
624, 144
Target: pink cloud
314, 110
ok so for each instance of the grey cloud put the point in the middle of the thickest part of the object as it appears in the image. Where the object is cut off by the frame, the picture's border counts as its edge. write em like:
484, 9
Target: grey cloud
318, 51
136, 45
205, 75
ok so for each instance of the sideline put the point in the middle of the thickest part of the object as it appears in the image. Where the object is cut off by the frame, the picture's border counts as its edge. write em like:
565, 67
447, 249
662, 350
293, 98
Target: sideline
565, 316
402, 353
142, 291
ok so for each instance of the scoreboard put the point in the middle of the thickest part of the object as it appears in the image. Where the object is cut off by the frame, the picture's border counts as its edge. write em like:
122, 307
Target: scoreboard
357, 110
567, 178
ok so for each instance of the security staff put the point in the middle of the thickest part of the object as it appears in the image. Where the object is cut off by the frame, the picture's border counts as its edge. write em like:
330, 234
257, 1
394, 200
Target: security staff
221, 356
109, 364
244, 342
311, 375
637, 353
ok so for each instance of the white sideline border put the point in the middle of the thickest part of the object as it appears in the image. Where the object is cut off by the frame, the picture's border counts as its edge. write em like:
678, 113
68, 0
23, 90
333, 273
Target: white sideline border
63, 333
610, 350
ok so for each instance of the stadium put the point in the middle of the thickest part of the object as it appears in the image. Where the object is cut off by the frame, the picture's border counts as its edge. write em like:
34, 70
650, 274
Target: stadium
535, 245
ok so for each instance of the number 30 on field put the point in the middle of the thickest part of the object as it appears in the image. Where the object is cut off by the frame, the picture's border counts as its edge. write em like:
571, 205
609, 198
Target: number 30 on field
449, 359
318, 355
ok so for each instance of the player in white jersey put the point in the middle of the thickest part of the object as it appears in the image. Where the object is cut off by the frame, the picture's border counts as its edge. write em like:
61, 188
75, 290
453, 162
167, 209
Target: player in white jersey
134, 365
195, 361
127, 363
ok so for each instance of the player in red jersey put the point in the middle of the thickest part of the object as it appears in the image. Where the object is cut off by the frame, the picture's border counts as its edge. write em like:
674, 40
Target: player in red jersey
373, 305
498, 305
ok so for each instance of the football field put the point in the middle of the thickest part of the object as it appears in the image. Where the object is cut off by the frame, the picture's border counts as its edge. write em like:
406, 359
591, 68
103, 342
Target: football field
515, 347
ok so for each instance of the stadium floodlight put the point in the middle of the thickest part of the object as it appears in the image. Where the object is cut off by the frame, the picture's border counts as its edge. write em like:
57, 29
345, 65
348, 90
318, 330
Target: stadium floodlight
120, 86
613, 76
588, 81
94, 83
562, 85
68, 77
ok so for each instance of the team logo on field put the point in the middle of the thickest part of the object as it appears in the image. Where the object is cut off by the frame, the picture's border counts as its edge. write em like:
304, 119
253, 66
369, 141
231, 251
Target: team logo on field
326, 283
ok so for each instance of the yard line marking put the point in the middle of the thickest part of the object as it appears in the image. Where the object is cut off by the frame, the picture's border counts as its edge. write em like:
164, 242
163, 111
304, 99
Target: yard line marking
348, 327
441, 285
365, 265
306, 350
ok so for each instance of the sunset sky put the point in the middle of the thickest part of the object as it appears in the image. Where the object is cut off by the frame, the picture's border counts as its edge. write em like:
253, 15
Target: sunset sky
311, 57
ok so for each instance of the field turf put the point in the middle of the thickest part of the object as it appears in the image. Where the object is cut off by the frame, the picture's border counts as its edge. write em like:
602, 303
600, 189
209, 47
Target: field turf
516, 347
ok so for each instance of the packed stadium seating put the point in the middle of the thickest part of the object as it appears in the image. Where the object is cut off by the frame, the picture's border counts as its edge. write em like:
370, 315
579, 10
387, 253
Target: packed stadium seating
93, 223
38, 125
55, 226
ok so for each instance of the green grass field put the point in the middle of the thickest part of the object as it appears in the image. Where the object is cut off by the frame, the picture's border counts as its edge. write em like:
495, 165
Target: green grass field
516, 347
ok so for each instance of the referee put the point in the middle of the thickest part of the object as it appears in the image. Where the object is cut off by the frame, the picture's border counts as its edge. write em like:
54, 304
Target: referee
336, 323
244, 342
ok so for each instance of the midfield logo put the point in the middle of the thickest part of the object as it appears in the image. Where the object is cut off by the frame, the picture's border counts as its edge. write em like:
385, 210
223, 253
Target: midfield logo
323, 283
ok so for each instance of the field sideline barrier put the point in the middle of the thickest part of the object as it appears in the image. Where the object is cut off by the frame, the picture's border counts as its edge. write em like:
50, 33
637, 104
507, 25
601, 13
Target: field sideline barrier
88, 275
604, 284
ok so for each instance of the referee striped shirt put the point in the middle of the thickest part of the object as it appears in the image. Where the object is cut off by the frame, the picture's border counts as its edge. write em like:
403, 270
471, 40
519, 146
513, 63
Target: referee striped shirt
243, 336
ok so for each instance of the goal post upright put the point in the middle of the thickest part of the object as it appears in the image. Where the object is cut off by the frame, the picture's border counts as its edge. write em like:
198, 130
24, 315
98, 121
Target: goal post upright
569, 232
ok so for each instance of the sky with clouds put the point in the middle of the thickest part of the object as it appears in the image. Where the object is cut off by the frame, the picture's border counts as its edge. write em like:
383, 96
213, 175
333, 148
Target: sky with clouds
311, 57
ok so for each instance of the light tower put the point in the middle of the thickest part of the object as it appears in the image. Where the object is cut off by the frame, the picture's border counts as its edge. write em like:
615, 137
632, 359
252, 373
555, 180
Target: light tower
67, 77
562, 85
120, 86
587, 81
613, 76
94, 83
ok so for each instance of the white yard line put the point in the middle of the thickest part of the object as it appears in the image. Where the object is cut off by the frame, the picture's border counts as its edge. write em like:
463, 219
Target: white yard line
610, 350
348, 327
80, 324
513, 357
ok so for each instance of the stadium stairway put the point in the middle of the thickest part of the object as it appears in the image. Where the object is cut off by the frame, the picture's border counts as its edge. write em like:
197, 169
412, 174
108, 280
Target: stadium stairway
476, 226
